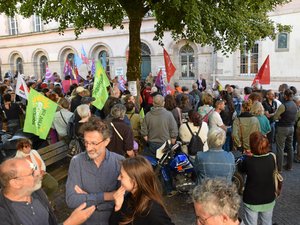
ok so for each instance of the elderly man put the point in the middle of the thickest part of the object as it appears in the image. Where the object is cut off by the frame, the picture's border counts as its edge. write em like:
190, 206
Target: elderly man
158, 127
22, 201
216, 202
93, 174
215, 162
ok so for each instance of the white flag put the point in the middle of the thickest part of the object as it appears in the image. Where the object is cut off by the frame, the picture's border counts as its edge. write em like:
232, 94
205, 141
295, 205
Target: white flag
21, 87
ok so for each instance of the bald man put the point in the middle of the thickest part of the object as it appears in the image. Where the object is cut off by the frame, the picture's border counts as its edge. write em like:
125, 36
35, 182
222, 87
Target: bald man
22, 201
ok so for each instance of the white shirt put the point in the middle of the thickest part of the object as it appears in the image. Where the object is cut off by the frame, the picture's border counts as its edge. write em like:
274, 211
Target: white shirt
215, 120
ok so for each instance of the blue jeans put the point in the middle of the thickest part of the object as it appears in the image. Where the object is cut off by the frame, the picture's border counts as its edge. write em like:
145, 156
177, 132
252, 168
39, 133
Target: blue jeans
284, 140
228, 142
253, 218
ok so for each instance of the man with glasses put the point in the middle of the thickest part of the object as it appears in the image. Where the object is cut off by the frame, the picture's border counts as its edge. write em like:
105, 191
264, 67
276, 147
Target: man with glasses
216, 202
22, 201
93, 174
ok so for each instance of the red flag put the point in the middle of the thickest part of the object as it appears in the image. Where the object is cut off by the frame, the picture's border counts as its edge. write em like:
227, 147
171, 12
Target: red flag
263, 75
170, 68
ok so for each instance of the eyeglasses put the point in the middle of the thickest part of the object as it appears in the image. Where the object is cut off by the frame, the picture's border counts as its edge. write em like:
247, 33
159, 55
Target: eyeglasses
202, 221
86, 143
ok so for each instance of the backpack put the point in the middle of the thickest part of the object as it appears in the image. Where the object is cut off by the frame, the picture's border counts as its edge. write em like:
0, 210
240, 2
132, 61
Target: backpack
196, 144
71, 127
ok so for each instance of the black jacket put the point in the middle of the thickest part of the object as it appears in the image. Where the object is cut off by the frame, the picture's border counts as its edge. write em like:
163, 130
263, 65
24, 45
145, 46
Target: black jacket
155, 215
8, 215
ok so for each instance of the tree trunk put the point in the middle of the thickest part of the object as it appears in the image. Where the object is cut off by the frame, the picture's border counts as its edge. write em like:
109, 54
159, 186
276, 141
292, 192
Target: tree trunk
134, 60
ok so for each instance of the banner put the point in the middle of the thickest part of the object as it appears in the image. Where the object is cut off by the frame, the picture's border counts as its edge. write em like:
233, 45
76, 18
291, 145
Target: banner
100, 86
66, 85
263, 75
170, 68
159, 82
84, 56
40, 113
49, 75
21, 87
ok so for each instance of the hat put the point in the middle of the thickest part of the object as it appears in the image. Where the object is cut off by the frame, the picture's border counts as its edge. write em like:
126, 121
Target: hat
87, 100
153, 89
79, 89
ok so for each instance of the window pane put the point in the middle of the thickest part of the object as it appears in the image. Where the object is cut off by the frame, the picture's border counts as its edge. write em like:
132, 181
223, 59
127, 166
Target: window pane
43, 63
187, 61
19, 65
282, 40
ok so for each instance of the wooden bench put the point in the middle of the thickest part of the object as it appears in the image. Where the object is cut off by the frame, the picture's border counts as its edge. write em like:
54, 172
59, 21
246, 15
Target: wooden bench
56, 159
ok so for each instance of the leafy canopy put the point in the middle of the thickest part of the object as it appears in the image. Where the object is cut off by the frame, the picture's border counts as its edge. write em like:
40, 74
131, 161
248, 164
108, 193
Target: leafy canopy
224, 24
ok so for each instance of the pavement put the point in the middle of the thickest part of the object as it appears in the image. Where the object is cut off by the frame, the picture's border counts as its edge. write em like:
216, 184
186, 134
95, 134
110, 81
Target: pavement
181, 210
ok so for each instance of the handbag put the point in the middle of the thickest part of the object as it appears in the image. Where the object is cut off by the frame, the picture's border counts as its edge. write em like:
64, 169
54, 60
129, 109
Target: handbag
278, 179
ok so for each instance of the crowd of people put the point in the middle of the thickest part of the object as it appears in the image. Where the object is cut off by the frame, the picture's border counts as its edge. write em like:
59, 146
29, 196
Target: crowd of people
110, 182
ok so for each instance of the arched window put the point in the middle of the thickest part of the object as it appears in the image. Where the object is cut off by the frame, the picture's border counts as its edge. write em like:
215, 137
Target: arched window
145, 50
104, 59
70, 58
43, 64
146, 60
19, 65
187, 61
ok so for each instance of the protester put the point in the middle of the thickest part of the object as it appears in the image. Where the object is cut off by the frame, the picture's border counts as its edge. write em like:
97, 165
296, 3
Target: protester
121, 141
243, 126
215, 162
12, 111
201, 82
259, 192
138, 201
23, 202
170, 105
216, 202
257, 110
286, 116
195, 124
215, 119
61, 119
49, 184
93, 174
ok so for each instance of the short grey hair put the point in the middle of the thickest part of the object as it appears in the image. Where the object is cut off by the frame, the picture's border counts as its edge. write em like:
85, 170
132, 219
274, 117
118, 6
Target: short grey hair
158, 101
218, 197
257, 109
216, 138
118, 111
83, 111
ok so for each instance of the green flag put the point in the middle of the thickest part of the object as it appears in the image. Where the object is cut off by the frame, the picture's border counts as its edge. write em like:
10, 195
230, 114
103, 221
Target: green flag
40, 113
142, 113
100, 86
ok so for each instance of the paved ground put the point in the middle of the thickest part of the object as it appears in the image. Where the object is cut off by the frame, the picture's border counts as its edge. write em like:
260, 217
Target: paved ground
181, 209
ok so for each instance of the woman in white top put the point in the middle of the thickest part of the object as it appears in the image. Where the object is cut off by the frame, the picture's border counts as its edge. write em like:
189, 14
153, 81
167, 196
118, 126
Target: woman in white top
49, 184
194, 124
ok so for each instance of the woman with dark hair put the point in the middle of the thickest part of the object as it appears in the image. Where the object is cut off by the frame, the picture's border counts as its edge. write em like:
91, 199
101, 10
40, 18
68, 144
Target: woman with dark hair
138, 201
227, 116
170, 105
247, 92
185, 105
194, 123
259, 192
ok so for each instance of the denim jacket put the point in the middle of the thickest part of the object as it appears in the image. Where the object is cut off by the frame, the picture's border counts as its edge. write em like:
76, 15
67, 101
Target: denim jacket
214, 163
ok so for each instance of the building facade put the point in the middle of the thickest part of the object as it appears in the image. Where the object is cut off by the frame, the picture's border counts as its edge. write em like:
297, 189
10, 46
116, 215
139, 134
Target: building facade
28, 45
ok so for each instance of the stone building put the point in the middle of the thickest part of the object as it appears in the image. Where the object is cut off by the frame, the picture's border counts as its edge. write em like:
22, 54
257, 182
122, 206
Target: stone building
28, 45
